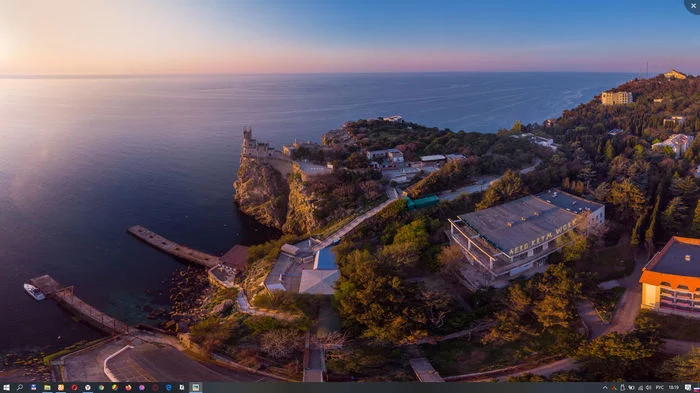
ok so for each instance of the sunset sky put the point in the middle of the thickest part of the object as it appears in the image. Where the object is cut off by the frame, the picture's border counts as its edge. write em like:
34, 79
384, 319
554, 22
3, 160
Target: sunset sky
305, 36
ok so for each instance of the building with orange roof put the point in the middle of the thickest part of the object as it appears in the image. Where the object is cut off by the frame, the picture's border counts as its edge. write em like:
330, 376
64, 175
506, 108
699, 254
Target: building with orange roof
671, 279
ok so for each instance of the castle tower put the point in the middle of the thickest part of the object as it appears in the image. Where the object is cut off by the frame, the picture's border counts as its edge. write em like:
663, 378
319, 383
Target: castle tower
247, 135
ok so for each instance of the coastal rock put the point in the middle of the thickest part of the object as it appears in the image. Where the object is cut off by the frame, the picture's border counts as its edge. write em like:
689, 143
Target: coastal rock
262, 192
301, 217
223, 308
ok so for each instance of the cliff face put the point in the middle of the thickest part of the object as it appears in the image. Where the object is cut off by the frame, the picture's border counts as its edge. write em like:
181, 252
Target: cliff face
262, 192
301, 217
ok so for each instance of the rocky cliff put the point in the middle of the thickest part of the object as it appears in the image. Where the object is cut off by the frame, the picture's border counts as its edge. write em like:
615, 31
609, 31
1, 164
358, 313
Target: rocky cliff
262, 192
285, 204
301, 217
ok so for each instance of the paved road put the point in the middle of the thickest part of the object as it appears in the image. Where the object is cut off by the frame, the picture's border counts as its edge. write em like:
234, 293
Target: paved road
678, 347
546, 370
87, 364
151, 362
482, 184
146, 361
391, 193
596, 326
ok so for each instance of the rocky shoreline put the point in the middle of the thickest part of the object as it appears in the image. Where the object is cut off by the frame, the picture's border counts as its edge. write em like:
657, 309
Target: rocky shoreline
27, 367
189, 294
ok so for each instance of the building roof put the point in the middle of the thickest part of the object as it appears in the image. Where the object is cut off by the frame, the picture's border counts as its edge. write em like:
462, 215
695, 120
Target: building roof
512, 224
325, 259
296, 250
678, 263
675, 73
236, 257
434, 157
289, 249
318, 282
455, 156
569, 202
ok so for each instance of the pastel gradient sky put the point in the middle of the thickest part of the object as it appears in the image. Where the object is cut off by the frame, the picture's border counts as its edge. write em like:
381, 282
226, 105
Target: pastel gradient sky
310, 36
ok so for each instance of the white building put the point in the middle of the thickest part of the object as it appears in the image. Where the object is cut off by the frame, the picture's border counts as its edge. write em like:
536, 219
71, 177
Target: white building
393, 119
678, 142
616, 131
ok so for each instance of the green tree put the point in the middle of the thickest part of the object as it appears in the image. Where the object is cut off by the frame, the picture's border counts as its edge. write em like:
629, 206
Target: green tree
614, 356
609, 150
575, 245
695, 228
358, 160
685, 188
672, 216
627, 198
637, 230
505, 189
560, 289
651, 230
517, 127
683, 368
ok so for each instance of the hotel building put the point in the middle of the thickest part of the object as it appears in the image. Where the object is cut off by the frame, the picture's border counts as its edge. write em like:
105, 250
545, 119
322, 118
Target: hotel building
679, 143
516, 236
619, 98
671, 279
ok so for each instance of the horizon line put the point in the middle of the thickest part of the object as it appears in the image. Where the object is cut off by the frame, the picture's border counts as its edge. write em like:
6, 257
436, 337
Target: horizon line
170, 75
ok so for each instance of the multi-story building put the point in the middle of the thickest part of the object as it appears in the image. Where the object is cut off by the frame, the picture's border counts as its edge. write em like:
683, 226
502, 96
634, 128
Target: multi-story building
674, 121
673, 74
671, 279
516, 236
392, 156
617, 98
679, 143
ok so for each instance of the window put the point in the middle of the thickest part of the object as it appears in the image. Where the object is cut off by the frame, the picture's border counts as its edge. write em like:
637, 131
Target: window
665, 284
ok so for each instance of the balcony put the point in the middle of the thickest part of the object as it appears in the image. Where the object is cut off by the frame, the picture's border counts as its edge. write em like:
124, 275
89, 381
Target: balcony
666, 299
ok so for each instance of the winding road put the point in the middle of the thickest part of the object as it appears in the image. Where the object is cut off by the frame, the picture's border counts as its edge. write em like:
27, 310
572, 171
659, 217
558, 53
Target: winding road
482, 184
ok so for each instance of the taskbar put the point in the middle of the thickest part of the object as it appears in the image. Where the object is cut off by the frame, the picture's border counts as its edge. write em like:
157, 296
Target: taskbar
102, 387
350, 387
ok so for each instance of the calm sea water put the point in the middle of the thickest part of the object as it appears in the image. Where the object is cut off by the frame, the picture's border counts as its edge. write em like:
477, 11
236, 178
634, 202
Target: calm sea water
83, 159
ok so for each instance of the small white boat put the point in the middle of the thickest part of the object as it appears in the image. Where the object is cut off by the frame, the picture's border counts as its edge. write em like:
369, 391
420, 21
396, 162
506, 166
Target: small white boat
34, 292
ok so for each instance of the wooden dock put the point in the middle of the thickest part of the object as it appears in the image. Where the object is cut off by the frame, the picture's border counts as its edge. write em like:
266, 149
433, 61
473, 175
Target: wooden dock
89, 314
170, 247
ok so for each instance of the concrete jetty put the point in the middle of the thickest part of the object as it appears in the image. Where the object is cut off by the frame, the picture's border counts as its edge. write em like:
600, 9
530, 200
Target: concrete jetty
170, 247
89, 314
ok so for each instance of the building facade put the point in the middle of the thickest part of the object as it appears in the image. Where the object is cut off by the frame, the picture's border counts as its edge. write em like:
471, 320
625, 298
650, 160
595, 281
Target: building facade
673, 74
618, 98
252, 148
514, 237
679, 143
674, 121
671, 279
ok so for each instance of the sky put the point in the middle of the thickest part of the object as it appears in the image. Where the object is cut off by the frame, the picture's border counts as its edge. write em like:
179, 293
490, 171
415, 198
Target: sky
75, 37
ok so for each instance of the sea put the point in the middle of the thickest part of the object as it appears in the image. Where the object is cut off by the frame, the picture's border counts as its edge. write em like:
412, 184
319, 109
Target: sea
84, 158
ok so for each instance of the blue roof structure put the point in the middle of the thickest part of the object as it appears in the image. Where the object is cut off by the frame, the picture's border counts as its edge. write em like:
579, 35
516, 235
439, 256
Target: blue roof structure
325, 259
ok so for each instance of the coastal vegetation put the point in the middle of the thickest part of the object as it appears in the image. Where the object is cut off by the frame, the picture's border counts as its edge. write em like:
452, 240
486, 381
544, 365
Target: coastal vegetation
399, 282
